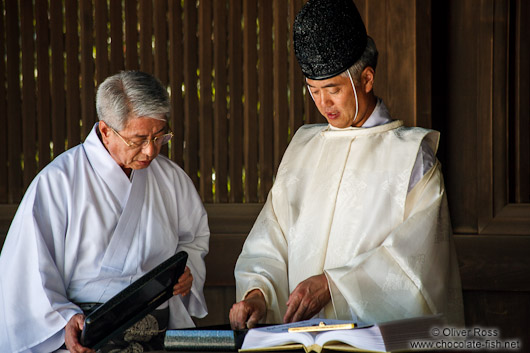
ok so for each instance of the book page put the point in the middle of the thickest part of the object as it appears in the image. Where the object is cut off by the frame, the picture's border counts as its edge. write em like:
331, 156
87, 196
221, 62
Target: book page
365, 338
281, 348
275, 335
259, 339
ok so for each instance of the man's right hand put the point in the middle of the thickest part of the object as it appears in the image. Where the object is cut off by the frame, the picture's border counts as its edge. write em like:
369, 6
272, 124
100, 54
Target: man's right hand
248, 312
71, 333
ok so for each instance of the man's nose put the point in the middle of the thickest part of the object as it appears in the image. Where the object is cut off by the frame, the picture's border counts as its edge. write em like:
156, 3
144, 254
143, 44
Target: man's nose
325, 100
150, 150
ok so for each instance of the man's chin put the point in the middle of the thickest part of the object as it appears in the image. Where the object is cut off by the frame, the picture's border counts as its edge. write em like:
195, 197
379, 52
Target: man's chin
141, 164
337, 124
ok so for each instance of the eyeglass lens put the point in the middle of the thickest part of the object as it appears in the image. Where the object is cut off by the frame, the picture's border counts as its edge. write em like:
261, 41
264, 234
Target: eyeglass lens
159, 140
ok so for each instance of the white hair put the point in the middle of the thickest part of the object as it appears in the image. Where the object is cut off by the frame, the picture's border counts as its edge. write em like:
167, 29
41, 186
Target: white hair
369, 58
131, 94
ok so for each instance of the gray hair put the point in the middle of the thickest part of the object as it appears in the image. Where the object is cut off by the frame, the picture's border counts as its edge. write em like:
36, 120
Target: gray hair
129, 95
369, 58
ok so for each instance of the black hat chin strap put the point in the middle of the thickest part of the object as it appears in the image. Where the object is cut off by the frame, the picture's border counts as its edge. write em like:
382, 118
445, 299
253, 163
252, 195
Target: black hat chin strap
354, 92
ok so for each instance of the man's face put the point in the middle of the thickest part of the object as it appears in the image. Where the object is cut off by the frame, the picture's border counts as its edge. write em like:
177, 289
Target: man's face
136, 131
335, 100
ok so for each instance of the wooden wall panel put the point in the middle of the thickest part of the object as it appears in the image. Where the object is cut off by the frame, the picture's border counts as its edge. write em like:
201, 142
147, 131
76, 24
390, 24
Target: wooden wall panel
191, 109
507, 312
266, 110
221, 100
28, 92
250, 87
73, 99
3, 110
494, 262
14, 108
145, 17
88, 94
235, 82
43, 82
101, 20
460, 104
375, 16
485, 206
392, 24
423, 53
205, 100
280, 68
484, 84
401, 61
403, 80
176, 79
296, 78
499, 99
219, 300
234, 50
521, 104
160, 33
131, 34
58, 78
116, 36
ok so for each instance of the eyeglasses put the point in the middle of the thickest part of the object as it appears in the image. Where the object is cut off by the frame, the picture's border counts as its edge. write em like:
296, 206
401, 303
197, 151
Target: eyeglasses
157, 141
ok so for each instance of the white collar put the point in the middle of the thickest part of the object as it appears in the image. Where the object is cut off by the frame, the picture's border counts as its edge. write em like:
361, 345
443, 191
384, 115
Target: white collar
379, 116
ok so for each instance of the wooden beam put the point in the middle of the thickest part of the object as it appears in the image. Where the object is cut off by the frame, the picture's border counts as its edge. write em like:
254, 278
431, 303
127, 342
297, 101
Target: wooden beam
494, 263
487, 262
232, 218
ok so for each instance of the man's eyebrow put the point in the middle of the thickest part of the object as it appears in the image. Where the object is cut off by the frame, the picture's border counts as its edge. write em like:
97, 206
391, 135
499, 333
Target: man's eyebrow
159, 131
326, 86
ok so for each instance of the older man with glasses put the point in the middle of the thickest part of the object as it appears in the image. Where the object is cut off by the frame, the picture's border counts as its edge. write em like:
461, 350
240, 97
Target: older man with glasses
98, 217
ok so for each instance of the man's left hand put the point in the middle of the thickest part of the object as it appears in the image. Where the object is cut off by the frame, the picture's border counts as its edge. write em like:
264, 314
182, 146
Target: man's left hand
183, 286
307, 299
71, 333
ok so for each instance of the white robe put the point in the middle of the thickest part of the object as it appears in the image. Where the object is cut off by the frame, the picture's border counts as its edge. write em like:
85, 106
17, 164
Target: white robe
341, 205
84, 231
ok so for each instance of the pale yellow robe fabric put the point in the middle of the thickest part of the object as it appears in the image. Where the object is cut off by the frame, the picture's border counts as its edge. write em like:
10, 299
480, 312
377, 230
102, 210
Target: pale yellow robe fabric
340, 206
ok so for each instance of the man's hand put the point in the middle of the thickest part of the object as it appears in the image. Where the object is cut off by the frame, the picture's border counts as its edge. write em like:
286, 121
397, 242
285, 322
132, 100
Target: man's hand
307, 299
71, 335
248, 312
184, 283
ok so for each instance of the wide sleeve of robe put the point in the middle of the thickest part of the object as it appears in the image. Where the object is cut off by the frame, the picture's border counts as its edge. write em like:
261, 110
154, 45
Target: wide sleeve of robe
194, 235
262, 263
33, 271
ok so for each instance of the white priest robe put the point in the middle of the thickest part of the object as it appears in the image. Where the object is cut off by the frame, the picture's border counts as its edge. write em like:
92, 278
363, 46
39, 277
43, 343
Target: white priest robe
84, 231
341, 205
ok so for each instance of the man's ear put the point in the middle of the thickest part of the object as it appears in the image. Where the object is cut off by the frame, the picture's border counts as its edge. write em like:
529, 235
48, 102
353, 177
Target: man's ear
103, 128
367, 79
104, 131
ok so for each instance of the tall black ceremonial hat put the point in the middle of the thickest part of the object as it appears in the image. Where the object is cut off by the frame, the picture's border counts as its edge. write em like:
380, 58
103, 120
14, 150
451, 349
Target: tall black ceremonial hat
329, 37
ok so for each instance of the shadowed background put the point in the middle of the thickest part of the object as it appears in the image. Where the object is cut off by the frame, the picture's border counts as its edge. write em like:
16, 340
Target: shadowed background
460, 66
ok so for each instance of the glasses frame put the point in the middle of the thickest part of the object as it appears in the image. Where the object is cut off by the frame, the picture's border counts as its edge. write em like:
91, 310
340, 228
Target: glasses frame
143, 144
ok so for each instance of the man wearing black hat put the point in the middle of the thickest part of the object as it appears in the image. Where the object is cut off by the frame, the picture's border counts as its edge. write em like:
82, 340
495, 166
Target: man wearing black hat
356, 225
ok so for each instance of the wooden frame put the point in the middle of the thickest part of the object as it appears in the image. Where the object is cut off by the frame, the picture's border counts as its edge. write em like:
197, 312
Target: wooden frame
496, 215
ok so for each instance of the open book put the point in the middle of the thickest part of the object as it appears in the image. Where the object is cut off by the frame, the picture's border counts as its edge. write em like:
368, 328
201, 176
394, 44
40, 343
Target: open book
382, 337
